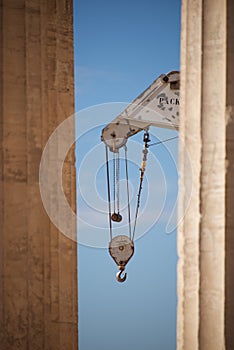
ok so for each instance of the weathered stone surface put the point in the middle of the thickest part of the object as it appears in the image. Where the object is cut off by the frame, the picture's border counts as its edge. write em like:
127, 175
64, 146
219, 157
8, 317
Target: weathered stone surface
205, 244
38, 265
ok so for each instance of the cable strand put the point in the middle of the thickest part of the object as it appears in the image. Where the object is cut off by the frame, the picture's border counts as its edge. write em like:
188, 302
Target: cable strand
108, 191
128, 198
159, 142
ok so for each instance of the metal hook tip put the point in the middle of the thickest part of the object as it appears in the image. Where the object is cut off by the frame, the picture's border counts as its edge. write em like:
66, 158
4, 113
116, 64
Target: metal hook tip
119, 276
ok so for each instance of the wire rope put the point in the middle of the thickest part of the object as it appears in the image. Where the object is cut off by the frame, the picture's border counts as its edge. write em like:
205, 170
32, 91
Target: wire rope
128, 198
159, 142
114, 179
117, 180
108, 191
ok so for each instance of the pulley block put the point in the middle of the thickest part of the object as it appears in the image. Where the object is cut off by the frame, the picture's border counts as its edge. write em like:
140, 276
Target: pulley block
121, 249
116, 217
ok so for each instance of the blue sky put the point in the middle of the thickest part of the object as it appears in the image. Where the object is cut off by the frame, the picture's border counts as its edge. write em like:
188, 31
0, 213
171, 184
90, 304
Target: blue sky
120, 48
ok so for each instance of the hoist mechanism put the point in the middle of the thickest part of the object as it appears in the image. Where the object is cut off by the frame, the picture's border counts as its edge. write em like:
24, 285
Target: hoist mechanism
157, 106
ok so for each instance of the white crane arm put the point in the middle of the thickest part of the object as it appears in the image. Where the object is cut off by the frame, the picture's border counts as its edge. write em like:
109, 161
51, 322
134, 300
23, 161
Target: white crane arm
158, 105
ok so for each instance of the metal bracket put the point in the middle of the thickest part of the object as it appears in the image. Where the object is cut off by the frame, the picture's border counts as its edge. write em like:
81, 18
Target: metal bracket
158, 105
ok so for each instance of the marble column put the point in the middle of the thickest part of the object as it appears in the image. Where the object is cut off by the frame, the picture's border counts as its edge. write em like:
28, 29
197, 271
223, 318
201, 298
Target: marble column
205, 237
38, 264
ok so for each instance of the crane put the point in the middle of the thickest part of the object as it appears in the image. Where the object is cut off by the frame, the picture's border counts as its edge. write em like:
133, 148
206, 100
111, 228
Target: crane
157, 106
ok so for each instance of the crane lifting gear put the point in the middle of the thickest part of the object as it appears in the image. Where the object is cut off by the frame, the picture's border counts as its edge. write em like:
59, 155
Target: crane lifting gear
121, 248
158, 106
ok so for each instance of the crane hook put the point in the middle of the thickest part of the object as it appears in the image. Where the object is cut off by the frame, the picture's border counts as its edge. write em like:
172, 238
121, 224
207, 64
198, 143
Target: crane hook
119, 276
